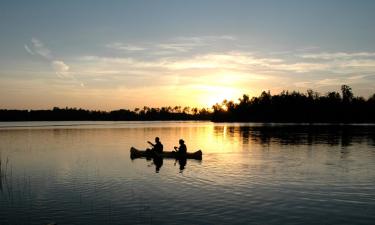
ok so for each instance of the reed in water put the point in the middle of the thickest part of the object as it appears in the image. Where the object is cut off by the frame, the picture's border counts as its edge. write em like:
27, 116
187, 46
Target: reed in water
3, 168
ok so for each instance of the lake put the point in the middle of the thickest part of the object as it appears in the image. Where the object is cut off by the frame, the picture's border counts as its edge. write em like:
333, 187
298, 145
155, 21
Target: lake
251, 173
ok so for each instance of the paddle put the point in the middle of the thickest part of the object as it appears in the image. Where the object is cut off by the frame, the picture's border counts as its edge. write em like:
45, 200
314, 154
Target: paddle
151, 143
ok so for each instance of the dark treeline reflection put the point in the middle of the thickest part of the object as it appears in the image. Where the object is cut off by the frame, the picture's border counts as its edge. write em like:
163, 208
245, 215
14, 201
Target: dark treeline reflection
340, 135
298, 107
287, 106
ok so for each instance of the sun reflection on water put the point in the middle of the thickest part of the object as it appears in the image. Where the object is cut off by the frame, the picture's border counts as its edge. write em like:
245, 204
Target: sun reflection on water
87, 170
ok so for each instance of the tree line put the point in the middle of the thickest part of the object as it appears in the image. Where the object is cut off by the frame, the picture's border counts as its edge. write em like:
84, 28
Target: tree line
286, 106
299, 107
74, 114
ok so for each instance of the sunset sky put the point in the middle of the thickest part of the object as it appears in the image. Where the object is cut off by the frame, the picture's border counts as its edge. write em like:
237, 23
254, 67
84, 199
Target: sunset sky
125, 54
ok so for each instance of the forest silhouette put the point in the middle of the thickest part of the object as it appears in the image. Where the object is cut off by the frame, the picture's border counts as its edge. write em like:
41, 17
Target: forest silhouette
299, 107
309, 107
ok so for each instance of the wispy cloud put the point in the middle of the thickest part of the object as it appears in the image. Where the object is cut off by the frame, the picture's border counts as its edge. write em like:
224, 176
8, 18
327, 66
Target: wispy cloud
179, 47
28, 50
172, 46
125, 47
300, 67
239, 69
61, 69
209, 39
328, 82
39, 48
229, 61
337, 55
356, 77
185, 44
201, 52
362, 63
343, 62
200, 62
354, 68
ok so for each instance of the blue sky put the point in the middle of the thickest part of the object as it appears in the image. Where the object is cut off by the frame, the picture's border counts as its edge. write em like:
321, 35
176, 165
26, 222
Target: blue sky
125, 54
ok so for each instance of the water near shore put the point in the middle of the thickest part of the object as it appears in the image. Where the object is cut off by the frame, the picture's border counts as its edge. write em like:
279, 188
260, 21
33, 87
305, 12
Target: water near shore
81, 173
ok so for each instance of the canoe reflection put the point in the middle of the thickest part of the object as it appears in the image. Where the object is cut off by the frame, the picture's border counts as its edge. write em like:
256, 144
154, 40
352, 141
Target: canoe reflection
158, 163
182, 163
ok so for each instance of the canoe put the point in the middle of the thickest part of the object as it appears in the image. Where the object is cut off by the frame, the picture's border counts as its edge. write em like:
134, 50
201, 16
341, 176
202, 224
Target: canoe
135, 153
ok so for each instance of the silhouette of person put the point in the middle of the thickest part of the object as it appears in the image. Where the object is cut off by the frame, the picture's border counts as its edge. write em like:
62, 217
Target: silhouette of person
181, 150
157, 147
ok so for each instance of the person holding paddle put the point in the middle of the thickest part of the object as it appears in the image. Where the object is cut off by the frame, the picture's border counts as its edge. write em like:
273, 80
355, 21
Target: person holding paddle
182, 148
157, 147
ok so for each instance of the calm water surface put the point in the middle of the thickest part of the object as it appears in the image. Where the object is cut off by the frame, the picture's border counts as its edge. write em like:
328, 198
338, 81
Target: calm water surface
81, 173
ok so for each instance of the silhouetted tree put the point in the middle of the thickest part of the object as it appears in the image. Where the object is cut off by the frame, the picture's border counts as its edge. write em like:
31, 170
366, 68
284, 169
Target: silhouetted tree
298, 107
347, 94
71, 114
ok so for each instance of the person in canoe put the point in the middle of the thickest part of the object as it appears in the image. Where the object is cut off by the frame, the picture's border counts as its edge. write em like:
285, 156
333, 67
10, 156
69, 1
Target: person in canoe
181, 150
157, 147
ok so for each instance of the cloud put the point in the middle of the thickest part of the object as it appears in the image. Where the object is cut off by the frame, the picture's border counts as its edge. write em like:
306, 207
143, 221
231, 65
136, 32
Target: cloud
303, 84
185, 44
206, 53
28, 50
337, 55
172, 46
241, 69
245, 62
328, 82
178, 47
199, 60
356, 77
230, 68
230, 61
125, 47
206, 39
40, 49
370, 63
60, 68
301, 67
195, 52
343, 63
155, 48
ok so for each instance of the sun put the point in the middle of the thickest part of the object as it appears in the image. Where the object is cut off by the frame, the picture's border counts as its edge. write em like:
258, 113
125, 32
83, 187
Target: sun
216, 94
